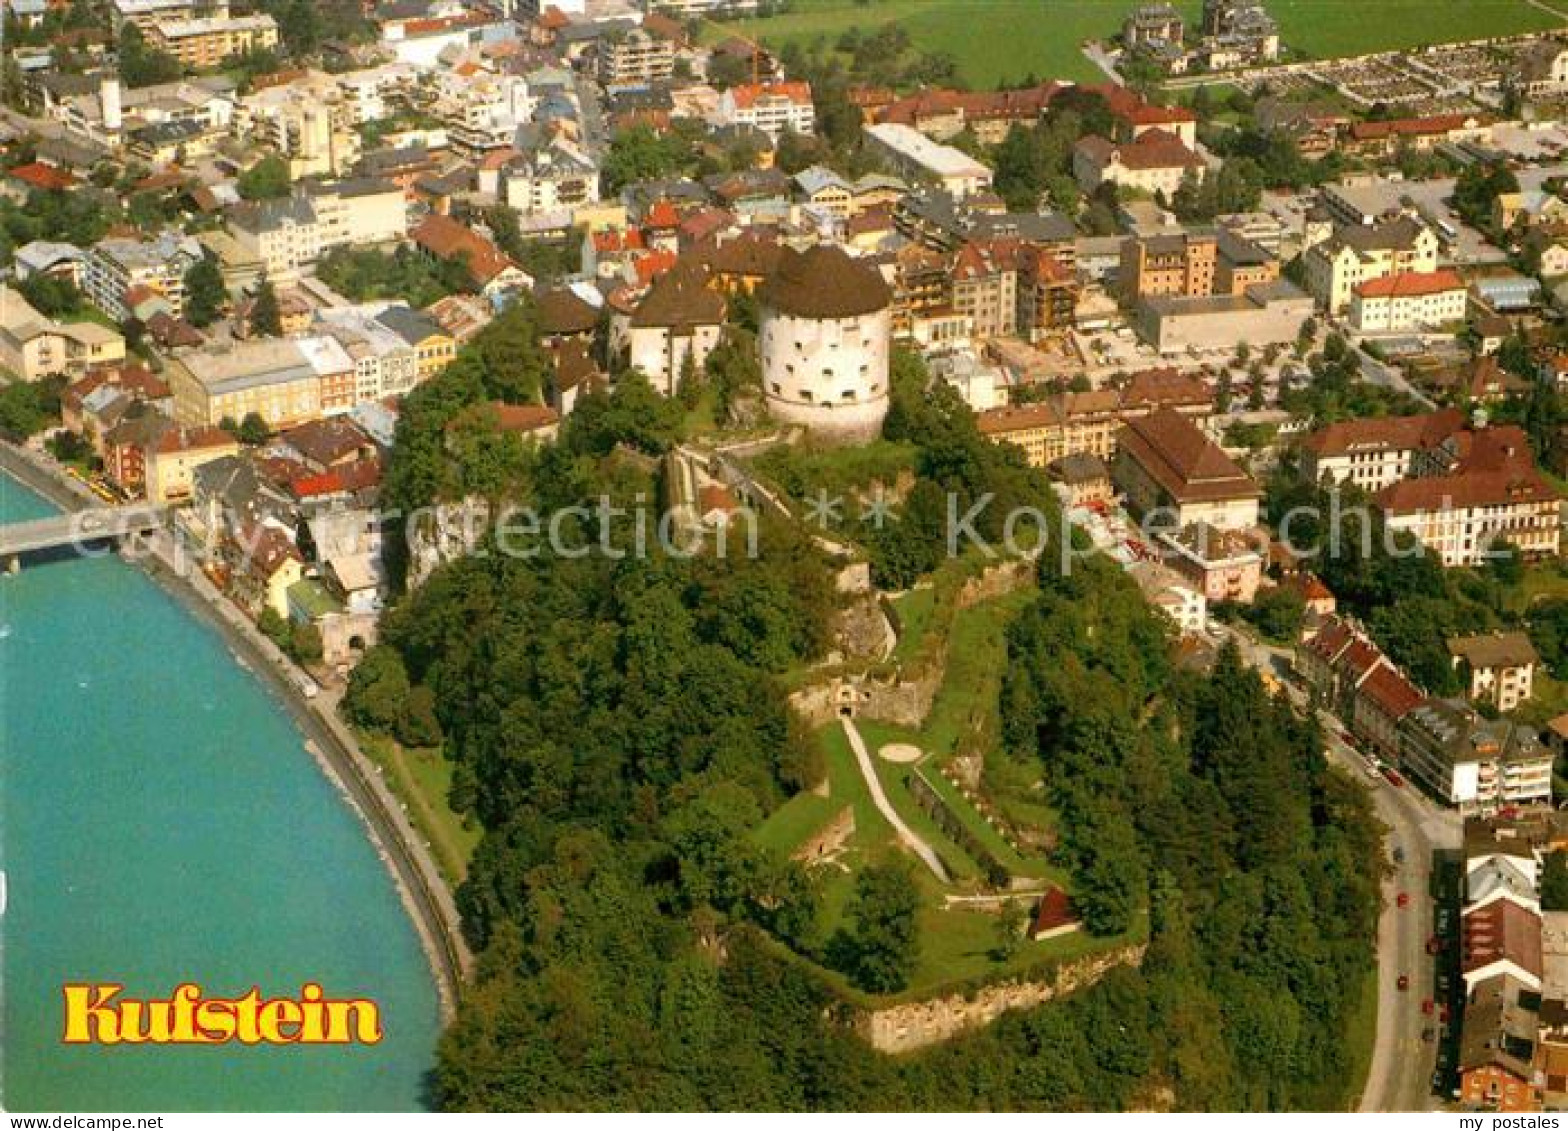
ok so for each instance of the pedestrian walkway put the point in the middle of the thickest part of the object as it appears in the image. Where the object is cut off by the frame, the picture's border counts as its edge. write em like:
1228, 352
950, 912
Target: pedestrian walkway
879, 797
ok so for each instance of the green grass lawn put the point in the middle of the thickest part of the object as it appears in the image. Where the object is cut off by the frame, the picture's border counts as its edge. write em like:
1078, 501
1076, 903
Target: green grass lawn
1326, 28
914, 610
994, 41
1361, 1038
976, 658
421, 779
998, 41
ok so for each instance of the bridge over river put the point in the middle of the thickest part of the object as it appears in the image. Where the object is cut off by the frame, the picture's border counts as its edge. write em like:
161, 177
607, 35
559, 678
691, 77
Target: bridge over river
77, 528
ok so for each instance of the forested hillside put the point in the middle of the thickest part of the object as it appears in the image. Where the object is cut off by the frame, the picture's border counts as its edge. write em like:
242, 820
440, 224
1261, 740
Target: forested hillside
619, 729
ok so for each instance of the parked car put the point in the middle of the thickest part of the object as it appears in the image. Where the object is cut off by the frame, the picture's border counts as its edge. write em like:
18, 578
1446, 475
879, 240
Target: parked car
1402, 899
1399, 854
1393, 776
1404, 982
1426, 1006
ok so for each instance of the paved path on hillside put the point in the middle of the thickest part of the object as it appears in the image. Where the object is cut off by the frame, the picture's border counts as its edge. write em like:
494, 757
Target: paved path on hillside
906, 834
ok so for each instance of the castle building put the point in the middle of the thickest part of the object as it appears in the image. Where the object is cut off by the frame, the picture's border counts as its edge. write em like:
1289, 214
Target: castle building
825, 333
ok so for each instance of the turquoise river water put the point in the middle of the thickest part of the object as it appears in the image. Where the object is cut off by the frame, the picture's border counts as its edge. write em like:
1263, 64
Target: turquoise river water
162, 822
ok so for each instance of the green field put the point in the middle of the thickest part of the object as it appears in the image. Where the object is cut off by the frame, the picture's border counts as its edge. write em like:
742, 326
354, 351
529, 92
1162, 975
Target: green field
1326, 28
997, 41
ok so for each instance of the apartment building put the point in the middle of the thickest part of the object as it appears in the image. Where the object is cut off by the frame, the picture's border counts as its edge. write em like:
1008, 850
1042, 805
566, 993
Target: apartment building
291, 233
635, 57
118, 265
1498, 667
33, 346
309, 122
276, 378
556, 177
985, 287
772, 108
1179, 263
1090, 423
210, 41
1471, 763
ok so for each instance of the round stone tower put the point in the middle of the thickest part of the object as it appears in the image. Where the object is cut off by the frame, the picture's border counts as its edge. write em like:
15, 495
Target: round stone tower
825, 333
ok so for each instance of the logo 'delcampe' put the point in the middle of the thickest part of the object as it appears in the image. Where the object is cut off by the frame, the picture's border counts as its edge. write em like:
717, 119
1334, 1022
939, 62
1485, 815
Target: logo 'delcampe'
95, 1013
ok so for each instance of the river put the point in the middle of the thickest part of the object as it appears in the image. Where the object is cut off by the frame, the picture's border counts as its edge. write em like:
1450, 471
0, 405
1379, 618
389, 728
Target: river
162, 822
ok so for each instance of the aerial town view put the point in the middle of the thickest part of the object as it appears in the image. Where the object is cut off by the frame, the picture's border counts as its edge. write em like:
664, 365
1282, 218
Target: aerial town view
783, 556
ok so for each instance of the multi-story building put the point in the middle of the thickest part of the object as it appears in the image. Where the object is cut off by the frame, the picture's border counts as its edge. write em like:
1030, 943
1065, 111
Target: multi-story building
289, 234
1242, 264
275, 378
385, 362
635, 57
985, 287
1090, 423
1463, 517
1350, 674
144, 13
309, 122
1182, 263
1048, 293
1498, 667
1472, 763
1152, 25
117, 265
1541, 70
1355, 254
1374, 453
556, 177
148, 455
1166, 467
210, 41
772, 108
1223, 565
676, 326
915, 155
1156, 161
32, 346
1409, 300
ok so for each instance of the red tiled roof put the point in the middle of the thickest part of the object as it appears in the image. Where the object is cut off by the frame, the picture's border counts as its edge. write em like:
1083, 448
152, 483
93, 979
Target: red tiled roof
1396, 432
1055, 911
1408, 127
1466, 490
649, 267
749, 94
1154, 149
41, 176
1502, 931
445, 238
1411, 284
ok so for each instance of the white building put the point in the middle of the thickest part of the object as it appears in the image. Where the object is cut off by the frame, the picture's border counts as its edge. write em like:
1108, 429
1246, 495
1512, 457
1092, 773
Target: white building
825, 339
558, 177
770, 107
915, 155
117, 265
1408, 300
675, 327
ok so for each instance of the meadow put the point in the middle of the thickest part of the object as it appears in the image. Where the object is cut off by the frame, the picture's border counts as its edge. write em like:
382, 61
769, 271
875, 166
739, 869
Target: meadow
1002, 41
